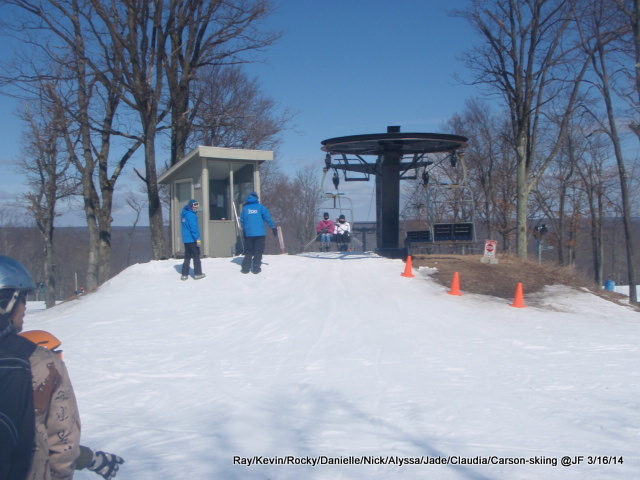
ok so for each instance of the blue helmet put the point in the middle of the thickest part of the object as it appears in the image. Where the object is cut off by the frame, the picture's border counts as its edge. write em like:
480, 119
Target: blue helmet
15, 279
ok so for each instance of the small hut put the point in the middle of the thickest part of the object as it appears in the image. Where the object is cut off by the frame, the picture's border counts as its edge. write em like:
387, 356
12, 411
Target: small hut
220, 179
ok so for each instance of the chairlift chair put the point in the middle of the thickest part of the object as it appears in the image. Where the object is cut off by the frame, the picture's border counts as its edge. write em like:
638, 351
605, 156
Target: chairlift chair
444, 204
335, 204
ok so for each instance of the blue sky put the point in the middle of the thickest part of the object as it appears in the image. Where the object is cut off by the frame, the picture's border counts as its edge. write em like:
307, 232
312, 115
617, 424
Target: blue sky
354, 67
346, 67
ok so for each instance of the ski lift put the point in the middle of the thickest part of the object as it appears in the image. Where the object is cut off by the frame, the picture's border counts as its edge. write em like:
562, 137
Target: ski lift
336, 204
441, 210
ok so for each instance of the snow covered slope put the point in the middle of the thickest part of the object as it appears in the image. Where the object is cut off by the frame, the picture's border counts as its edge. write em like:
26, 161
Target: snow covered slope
339, 359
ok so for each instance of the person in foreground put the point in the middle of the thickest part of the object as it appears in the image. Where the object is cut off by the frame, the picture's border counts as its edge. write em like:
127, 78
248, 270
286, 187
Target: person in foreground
104, 464
40, 428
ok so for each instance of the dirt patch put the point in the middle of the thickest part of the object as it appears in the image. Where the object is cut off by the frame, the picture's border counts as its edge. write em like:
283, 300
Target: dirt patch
501, 279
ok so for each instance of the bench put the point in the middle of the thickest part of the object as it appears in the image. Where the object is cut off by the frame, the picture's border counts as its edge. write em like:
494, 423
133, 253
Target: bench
441, 234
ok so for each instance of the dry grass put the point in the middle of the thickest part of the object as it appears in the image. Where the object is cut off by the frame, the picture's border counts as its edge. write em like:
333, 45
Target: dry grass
501, 279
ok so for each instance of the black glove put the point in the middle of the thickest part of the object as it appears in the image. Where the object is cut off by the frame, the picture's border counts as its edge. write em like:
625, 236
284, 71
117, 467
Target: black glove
275, 232
105, 464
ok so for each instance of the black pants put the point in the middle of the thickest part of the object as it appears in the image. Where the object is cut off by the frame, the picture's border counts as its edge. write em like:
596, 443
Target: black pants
253, 250
191, 250
342, 239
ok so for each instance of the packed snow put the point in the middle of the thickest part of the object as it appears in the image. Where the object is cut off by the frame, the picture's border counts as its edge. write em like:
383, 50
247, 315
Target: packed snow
337, 359
624, 290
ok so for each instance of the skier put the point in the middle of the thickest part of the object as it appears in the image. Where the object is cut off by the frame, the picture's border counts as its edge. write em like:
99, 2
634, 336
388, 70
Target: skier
192, 240
103, 463
325, 229
252, 218
54, 449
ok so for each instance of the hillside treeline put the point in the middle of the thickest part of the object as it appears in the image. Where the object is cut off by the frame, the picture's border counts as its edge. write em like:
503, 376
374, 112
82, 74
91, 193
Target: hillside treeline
554, 138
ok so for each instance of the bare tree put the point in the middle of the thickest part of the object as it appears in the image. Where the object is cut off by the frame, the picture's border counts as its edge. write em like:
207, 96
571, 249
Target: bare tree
208, 33
138, 36
68, 52
159, 47
630, 69
46, 166
11, 218
597, 182
530, 58
233, 111
608, 29
294, 204
554, 194
491, 171
133, 201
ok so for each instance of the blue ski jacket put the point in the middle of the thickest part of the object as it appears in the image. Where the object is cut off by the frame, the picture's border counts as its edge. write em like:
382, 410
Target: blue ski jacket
190, 228
253, 216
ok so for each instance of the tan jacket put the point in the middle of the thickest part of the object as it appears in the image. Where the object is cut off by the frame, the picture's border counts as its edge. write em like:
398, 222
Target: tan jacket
57, 418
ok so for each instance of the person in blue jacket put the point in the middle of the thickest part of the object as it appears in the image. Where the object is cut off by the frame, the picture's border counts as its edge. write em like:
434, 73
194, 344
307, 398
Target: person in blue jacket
252, 218
192, 240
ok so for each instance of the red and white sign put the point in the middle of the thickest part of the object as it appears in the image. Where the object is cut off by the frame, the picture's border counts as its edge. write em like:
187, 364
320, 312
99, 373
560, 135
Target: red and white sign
490, 248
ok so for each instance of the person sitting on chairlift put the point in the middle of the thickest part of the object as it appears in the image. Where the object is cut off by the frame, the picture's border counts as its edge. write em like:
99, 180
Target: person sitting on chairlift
342, 233
325, 229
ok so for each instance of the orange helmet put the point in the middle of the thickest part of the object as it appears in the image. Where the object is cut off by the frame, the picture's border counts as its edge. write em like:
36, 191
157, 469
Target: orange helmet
43, 339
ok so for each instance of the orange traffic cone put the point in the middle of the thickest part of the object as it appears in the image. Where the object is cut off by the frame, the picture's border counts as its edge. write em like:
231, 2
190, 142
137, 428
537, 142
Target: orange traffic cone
518, 301
408, 270
455, 285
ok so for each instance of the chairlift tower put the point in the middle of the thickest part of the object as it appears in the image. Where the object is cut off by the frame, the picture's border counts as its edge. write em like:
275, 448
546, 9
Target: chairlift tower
396, 154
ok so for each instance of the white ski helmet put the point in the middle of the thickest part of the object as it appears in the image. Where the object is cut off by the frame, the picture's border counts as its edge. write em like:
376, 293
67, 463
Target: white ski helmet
14, 280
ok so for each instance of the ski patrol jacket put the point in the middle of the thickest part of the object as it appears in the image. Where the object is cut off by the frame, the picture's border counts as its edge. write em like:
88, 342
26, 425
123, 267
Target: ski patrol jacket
328, 224
190, 228
253, 216
57, 418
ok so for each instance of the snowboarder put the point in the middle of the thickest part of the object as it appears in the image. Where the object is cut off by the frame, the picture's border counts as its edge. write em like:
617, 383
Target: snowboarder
252, 218
192, 240
325, 229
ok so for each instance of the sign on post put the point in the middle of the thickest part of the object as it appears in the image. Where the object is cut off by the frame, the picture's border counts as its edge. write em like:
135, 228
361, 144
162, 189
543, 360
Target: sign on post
490, 247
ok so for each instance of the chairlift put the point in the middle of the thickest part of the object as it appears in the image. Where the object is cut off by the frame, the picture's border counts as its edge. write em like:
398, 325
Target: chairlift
441, 208
335, 204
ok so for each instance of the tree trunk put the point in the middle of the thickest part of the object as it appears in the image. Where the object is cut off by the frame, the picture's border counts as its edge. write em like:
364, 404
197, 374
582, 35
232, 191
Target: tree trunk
180, 126
622, 172
104, 248
49, 272
522, 220
626, 218
93, 261
596, 240
561, 226
156, 223
506, 242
